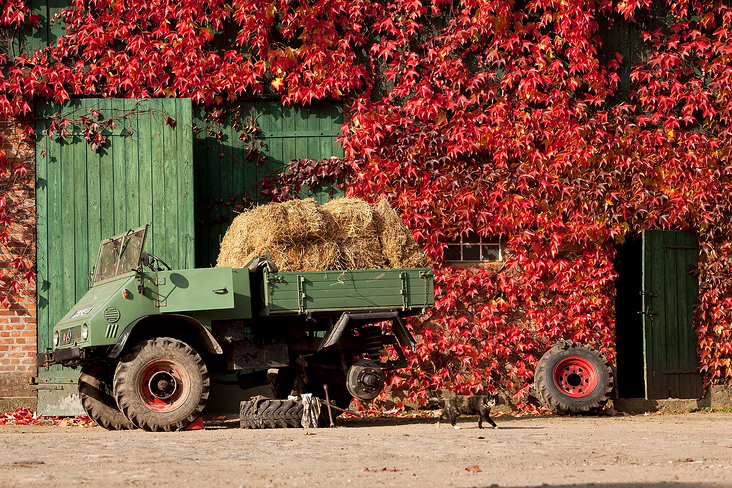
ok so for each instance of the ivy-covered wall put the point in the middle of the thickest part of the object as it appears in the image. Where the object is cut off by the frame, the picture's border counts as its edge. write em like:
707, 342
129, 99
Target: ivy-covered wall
520, 121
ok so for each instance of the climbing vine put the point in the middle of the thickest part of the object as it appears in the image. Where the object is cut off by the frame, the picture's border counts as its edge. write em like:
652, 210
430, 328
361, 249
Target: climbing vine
513, 120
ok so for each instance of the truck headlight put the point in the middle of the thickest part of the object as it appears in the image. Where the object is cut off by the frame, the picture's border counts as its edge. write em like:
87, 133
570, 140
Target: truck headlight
84, 332
56, 337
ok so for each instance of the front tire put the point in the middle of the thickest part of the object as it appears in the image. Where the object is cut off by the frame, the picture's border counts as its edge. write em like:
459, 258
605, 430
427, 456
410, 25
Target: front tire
98, 404
573, 378
161, 384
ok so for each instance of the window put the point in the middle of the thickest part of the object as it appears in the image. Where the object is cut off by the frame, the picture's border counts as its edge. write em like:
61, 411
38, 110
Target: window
474, 248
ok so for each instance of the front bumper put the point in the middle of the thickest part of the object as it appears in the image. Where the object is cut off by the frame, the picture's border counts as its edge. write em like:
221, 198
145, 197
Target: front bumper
59, 356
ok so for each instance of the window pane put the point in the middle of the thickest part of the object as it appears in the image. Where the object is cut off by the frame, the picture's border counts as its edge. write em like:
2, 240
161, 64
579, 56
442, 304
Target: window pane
472, 237
452, 253
471, 252
491, 252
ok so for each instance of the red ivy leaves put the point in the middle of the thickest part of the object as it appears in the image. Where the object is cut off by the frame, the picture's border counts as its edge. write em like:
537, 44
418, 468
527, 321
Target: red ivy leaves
496, 117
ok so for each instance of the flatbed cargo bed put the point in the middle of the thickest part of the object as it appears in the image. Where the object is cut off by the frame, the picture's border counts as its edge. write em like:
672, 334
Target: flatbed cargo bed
307, 292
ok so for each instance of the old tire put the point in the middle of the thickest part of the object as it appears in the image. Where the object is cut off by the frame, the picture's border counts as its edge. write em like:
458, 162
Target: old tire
265, 413
98, 404
573, 378
161, 384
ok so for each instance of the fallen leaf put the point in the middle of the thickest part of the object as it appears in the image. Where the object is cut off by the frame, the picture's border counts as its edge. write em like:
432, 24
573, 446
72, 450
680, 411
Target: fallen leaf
473, 469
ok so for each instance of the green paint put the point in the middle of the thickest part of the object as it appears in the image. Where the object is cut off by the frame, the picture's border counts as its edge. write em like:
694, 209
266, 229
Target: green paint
669, 293
85, 194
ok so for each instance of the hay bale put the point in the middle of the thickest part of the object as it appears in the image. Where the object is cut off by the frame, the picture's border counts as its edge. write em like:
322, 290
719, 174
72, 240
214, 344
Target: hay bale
304, 220
345, 233
397, 243
307, 256
269, 227
351, 225
249, 232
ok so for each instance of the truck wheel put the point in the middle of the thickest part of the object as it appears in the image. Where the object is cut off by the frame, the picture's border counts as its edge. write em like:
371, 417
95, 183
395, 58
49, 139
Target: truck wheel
365, 380
573, 378
162, 384
98, 404
265, 413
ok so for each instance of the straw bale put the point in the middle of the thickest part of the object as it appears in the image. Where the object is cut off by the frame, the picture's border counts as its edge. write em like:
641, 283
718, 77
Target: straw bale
397, 243
349, 218
304, 220
250, 231
351, 225
307, 256
361, 253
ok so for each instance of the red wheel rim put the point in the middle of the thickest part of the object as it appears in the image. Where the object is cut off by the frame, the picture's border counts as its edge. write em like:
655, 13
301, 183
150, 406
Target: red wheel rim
575, 376
163, 385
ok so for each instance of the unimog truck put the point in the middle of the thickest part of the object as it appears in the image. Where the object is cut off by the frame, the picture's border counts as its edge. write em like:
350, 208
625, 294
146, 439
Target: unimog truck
147, 337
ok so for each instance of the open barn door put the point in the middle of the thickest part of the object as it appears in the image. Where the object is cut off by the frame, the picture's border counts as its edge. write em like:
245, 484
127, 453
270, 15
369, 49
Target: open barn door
670, 289
142, 173
655, 291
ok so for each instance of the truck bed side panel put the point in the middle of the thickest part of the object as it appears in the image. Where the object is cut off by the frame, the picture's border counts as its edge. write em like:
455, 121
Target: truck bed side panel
323, 291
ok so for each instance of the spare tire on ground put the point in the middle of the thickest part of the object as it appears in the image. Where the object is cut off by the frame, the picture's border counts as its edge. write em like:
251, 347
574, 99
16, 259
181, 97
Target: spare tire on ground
265, 413
573, 378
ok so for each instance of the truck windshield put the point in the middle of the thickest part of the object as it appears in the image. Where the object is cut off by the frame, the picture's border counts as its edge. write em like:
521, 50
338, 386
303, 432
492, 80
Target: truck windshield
119, 254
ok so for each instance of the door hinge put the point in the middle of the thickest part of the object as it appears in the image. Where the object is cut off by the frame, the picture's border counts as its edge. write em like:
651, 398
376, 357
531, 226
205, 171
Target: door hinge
161, 303
647, 312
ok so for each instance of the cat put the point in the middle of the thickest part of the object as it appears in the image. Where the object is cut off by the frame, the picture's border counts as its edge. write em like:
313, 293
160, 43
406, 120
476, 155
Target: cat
479, 405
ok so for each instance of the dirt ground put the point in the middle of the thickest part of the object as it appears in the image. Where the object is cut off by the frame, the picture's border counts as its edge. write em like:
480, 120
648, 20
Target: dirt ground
693, 450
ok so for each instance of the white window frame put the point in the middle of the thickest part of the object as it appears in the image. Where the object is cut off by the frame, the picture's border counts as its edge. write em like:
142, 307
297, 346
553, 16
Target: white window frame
473, 240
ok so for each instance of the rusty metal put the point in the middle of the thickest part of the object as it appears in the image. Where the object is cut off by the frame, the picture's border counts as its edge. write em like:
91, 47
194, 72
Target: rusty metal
327, 399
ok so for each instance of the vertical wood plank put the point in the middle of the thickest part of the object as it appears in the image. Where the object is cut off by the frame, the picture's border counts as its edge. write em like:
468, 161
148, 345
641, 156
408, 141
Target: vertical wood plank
671, 324
81, 216
42, 239
171, 161
66, 224
106, 185
184, 148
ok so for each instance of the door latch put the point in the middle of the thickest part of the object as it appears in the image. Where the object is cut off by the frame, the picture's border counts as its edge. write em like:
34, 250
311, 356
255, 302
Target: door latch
647, 313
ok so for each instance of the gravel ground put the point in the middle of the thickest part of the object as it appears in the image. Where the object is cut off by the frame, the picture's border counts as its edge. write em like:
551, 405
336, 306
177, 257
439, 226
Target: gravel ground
690, 450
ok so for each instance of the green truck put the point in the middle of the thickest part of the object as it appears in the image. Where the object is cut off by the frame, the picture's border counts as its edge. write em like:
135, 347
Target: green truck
147, 338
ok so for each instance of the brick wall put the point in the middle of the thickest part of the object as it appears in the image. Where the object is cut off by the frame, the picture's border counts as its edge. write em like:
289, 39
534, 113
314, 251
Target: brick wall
18, 330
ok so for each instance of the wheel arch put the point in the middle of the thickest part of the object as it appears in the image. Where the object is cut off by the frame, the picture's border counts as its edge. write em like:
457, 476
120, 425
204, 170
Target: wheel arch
181, 327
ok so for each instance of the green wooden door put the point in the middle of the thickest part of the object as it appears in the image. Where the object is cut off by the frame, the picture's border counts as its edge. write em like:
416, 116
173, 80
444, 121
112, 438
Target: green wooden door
668, 295
142, 174
228, 170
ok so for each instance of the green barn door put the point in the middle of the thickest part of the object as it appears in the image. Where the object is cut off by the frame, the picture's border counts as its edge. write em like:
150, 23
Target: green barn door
142, 174
229, 168
668, 295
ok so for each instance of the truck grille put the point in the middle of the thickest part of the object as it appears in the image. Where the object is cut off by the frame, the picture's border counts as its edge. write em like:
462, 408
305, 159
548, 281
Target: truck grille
70, 335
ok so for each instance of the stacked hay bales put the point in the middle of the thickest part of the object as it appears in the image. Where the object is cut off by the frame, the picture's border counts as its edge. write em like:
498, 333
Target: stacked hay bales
399, 247
300, 235
351, 225
292, 232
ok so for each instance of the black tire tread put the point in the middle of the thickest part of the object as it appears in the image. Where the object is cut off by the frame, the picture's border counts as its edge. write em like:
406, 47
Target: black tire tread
98, 405
263, 413
122, 378
555, 404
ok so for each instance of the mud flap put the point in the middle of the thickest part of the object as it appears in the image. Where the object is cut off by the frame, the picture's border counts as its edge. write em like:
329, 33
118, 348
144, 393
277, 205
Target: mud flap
405, 338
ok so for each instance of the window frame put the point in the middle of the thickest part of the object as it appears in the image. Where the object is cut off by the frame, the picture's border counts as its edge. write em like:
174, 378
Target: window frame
463, 240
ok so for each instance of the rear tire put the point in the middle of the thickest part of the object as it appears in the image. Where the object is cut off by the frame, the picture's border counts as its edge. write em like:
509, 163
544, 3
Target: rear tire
99, 405
161, 384
573, 378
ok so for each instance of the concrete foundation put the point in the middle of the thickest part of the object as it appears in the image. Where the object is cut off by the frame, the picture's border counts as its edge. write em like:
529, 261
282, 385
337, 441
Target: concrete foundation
717, 397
